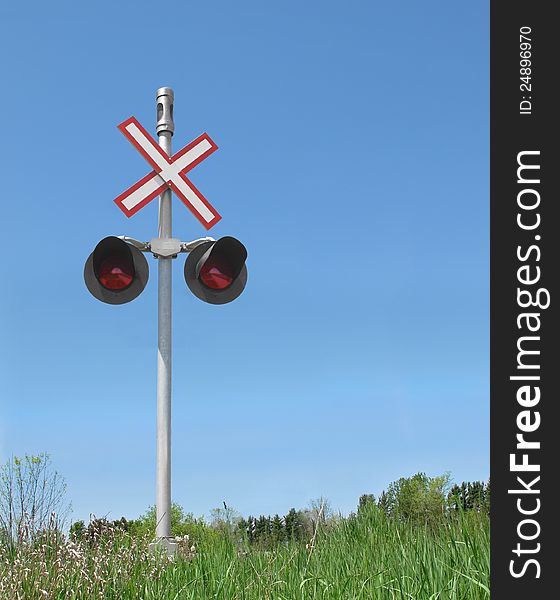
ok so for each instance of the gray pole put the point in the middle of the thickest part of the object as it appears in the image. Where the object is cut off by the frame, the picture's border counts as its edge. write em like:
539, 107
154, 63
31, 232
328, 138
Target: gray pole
165, 127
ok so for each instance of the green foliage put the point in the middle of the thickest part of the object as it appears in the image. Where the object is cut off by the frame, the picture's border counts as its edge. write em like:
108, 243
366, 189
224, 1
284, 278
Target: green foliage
77, 530
364, 501
371, 555
383, 502
420, 540
420, 499
277, 531
470, 496
182, 524
294, 523
268, 532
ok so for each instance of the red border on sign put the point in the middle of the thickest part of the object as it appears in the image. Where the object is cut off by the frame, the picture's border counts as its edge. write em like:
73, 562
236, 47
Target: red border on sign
157, 169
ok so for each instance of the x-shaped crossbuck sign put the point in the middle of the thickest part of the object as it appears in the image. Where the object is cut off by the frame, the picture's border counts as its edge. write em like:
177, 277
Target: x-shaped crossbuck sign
169, 172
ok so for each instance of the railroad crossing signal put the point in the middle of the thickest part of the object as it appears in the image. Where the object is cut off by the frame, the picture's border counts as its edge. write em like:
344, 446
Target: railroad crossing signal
116, 271
168, 172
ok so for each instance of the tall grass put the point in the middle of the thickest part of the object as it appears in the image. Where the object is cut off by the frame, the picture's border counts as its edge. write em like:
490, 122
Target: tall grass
369, 556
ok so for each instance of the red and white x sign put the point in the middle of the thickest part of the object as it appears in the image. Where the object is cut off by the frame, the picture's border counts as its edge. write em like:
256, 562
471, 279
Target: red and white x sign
168, 172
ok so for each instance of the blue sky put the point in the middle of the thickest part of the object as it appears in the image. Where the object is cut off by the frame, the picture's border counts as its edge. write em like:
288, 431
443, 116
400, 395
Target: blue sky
352, 162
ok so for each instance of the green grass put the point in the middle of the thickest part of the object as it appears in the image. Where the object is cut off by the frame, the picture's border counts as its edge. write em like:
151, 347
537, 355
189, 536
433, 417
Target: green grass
369, 557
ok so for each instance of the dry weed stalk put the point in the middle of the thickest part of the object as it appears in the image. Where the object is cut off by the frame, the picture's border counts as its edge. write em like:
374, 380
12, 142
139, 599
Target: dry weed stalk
51, 566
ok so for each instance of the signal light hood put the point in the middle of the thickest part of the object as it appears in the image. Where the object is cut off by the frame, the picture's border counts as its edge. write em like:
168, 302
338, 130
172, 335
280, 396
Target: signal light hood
215, 271
116, 272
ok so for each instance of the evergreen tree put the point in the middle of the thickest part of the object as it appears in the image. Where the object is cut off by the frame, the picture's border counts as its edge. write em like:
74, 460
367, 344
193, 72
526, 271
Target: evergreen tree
454, 499
294, 525
243, 527
262, 530
486, 501
470, 495
277, 530
365, 500
383, 503
465, 500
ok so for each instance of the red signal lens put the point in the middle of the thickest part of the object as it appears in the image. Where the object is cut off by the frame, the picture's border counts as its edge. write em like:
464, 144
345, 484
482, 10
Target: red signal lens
214, 277
114, 273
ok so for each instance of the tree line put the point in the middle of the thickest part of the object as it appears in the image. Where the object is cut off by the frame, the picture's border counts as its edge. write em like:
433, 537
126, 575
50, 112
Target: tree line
418, 499
32, 499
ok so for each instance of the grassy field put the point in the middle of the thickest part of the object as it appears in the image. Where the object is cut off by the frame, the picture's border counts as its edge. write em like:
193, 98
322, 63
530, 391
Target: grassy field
371, 556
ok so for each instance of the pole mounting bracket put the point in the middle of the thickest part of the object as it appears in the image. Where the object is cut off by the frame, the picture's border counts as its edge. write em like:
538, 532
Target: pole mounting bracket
165, 247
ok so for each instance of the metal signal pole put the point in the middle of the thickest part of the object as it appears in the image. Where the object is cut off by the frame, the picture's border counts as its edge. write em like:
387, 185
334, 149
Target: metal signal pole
116, 272
164, 128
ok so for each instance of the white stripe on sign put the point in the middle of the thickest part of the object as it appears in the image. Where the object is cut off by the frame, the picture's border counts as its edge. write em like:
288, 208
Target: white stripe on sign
146, 145
142, 192
193, 199
184, 161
